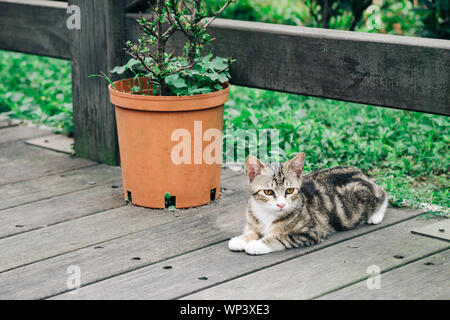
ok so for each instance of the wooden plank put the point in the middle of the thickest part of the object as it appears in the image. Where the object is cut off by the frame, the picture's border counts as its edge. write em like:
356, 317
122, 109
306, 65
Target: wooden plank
425, 279
19, 133
59, 209
12, 195
67, 207
335, 267
96, 47
36, 27
385, 70
65, 237
6, 123
19, 162
29, 247
54, 142
439, 230
191, 229
215, 262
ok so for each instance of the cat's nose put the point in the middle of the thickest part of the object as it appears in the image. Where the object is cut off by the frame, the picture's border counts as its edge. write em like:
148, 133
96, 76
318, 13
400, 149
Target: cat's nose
281, 205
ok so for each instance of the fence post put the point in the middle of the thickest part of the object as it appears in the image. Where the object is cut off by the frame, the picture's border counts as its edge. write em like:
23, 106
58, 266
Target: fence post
96, 46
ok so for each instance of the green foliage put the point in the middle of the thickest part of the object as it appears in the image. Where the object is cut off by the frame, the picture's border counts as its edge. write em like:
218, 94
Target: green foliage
407, 151
427, 18
36, 88
393, 17
336, 14
435, 15
288, 12
208, 74
168, 74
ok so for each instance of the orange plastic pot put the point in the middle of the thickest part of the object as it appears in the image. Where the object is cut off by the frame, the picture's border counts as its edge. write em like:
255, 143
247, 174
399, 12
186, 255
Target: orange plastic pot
151, 130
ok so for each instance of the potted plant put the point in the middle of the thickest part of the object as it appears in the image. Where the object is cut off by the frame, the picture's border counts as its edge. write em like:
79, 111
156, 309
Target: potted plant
170, 113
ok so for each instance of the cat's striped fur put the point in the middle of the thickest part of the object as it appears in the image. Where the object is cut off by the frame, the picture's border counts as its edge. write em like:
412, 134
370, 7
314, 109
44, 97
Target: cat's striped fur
303, 210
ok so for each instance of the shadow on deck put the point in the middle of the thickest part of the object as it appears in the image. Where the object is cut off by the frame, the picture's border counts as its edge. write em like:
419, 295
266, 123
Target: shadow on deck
60, 214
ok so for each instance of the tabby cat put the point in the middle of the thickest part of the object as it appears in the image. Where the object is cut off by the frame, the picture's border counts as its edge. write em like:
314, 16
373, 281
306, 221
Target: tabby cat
288, 210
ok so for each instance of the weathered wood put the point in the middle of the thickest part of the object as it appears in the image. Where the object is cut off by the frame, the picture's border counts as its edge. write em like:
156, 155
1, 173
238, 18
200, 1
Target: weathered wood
425, 279
326, 270
215, 262
394, 71
8, 123
439, 230
96, 47
19, 133
71, 206
69, 236
25, 192
385, 70
391, 71
20, 162
54, 142
195, 228
59, 209
36, 27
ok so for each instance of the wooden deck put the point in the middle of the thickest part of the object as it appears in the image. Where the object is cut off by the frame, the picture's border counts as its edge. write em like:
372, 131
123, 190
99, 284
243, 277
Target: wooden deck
58, 211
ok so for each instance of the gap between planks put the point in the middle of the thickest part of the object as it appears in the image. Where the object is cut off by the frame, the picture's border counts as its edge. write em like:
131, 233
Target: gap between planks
428, 274
227, 224
46, 187
20, 162
70, 206
18, 133
114, 256
58, 239
335, 267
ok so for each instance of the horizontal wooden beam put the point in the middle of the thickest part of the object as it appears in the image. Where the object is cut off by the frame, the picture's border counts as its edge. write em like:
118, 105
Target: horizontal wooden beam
391, 71
385, 70
34, 26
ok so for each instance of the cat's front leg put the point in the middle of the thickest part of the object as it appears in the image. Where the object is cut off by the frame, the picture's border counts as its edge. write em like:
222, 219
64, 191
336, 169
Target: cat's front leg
281, 241
239, 243
264, 245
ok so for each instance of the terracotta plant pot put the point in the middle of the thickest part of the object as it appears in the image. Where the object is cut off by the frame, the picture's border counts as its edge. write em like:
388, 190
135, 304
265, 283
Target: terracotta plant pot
149, 128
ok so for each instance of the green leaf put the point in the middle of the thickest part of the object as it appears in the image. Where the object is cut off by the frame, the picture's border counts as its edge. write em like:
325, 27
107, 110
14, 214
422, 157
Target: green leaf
218, 63
122, 69
174, 80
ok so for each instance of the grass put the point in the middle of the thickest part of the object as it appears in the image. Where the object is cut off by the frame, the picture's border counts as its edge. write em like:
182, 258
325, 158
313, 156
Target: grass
37, 89
406, 152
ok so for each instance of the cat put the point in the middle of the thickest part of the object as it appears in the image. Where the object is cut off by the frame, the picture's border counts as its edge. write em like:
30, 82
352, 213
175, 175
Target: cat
288, 210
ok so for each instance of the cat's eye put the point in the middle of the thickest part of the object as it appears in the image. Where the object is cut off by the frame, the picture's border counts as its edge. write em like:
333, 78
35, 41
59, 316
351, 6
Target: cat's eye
269, 192
290, 190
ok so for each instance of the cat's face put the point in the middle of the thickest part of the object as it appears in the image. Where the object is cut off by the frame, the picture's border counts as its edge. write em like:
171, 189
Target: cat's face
275, 188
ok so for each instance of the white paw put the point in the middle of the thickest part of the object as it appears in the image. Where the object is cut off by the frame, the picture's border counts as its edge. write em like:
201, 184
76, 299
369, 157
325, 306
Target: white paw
236, 244
257, 247
375, 219
379, 215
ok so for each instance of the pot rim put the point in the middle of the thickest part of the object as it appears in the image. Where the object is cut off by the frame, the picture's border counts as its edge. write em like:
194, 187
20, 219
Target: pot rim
167, 103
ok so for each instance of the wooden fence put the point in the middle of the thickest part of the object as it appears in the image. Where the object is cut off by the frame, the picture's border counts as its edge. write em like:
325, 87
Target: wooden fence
389, 71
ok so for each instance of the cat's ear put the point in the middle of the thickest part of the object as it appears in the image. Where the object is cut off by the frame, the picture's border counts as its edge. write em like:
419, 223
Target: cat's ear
253, 167
296, 164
